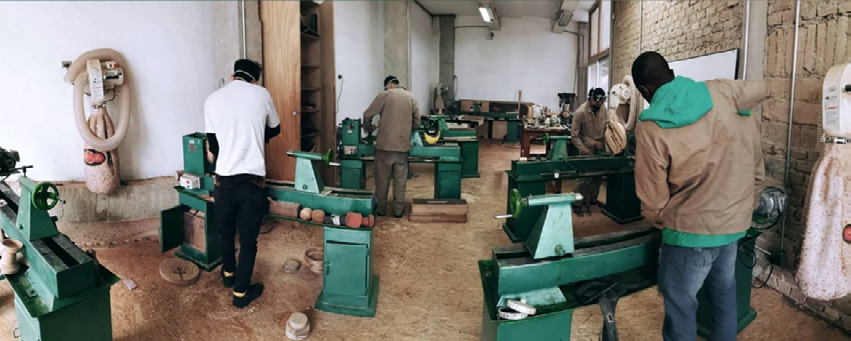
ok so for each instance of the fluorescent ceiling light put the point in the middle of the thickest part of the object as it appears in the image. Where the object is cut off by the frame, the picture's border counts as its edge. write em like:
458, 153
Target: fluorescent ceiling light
487, 13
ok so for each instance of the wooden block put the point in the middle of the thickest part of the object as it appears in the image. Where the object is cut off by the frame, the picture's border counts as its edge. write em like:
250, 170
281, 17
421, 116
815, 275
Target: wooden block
193, 229
284, 208
450, 207
439, 218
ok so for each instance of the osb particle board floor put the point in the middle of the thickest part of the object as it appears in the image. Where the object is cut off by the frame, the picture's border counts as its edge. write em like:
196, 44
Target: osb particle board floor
429, 287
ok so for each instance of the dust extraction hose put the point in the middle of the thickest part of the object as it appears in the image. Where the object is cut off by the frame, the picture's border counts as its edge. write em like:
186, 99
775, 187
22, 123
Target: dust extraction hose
636, 103
77, 76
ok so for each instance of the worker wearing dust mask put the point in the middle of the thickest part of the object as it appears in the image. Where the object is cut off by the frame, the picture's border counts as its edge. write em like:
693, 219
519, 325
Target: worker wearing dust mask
698, 172
588, 134
399, 116
240, 120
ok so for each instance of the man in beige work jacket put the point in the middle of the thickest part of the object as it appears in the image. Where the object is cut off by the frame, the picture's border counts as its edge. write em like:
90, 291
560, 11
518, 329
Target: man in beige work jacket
399, 116
588, 134
698, 171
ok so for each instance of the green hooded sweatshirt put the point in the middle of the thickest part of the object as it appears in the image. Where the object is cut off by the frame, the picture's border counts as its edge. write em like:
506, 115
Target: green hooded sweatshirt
679, 103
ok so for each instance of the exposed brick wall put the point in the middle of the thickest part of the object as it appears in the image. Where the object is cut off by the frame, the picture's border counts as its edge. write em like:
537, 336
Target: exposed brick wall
676, 29
822, 42
625, 33
689, 28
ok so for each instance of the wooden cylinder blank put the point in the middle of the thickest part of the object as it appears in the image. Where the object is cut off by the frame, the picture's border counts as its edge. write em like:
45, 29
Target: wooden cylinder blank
354, 219
369, 221
305, 213
318, 216
284, 208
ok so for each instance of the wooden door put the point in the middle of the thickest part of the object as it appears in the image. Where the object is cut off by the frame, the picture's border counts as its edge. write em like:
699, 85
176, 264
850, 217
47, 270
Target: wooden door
282, 77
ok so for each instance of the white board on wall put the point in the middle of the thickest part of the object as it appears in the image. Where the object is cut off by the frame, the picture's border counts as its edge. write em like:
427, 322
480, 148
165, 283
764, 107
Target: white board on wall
721, 65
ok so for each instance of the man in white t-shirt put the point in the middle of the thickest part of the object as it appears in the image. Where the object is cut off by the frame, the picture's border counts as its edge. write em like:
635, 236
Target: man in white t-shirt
240, 119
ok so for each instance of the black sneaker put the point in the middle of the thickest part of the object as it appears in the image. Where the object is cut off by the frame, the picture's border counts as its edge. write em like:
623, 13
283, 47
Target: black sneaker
228, 282
254, 291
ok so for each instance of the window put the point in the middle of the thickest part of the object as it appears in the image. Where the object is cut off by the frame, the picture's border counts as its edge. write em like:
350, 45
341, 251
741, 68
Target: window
598, 51
601, 21
598, 74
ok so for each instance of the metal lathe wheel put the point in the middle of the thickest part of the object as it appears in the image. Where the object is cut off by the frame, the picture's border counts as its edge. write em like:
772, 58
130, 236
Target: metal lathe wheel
45, 196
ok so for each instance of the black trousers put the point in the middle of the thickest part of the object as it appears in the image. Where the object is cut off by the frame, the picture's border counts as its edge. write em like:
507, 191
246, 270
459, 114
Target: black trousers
241, 205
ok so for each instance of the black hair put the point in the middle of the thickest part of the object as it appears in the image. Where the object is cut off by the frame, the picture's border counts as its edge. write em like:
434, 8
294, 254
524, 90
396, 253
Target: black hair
391, 79
247, 70
650, 68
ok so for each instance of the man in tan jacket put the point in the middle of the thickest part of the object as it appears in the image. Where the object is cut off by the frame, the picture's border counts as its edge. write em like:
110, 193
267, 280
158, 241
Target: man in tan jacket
399, 116
698, 170
588, 134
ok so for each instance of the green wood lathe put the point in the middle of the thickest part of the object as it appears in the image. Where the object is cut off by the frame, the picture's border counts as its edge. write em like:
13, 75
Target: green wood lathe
349, 286
63, 292
356, 151
531, 290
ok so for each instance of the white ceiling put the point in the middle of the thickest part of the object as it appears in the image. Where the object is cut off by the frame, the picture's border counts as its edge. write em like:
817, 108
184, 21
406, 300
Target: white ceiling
505, 8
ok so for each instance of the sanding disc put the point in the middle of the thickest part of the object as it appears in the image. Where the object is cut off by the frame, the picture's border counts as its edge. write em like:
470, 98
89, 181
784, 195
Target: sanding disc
179, 271
521, 307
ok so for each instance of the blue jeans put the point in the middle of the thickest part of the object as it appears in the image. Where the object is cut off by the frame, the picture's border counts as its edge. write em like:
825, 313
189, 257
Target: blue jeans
682, 272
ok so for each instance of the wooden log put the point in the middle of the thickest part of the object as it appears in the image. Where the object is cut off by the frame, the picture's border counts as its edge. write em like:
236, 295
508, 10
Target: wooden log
284, 208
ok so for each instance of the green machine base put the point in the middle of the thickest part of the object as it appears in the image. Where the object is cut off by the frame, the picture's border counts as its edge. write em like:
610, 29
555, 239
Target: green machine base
331, 303
348, 285
196, 241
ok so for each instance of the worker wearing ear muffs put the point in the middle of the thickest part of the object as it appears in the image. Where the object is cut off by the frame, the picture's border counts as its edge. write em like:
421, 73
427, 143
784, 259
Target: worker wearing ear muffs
399, 116
588, 134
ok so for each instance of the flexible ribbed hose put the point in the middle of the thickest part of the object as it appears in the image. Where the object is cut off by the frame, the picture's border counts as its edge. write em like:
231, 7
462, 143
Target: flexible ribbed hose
77, 75
636, 103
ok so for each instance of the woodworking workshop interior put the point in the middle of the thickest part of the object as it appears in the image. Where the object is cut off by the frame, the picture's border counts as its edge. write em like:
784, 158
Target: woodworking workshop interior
494, 170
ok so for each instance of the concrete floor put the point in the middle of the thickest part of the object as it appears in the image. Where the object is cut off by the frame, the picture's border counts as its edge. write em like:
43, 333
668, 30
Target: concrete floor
429, 288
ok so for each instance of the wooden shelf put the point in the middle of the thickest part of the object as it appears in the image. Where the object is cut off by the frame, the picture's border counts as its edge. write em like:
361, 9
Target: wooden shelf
309, 66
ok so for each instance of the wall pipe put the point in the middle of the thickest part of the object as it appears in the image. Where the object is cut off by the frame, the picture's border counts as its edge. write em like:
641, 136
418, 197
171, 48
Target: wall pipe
244, 42
640, 24
745, 38
791, 116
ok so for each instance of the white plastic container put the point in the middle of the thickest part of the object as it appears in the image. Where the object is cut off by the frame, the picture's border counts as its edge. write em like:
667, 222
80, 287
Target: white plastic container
836, 102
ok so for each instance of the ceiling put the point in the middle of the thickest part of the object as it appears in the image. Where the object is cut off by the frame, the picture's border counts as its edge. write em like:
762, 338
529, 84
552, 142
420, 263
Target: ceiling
504, 8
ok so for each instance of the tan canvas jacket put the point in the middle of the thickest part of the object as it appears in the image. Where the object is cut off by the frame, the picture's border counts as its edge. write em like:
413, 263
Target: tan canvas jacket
704, 178
399, 116
588, 128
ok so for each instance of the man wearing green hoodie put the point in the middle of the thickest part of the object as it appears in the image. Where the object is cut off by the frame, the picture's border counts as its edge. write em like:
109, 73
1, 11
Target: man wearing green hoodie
698, 171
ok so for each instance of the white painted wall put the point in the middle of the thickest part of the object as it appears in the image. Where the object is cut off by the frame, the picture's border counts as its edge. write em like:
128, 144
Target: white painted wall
169, 50
425, 57
359, 49
523, 55
359, 55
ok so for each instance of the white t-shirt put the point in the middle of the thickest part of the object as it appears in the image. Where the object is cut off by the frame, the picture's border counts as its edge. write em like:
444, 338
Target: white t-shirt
238, 114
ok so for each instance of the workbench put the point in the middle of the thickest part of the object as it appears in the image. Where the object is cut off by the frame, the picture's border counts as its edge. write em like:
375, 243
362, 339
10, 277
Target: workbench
494, 111
530, 133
